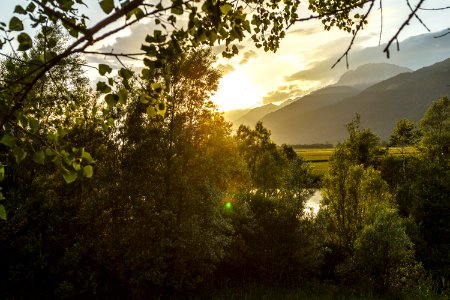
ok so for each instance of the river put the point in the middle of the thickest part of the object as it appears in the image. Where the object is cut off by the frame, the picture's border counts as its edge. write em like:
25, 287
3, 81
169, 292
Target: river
314, 202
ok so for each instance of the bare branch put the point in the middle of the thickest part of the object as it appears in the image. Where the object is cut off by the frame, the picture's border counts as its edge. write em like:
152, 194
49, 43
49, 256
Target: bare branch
127, 55
438, 8
406, 22
417, 16
444, 34
381, 22
355, 33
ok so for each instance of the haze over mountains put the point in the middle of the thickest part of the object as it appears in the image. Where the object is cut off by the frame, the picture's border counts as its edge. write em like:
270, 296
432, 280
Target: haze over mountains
369, 74
407, 95
381, 93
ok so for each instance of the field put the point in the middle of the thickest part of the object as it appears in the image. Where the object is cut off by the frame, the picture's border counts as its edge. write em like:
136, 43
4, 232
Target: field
319, 158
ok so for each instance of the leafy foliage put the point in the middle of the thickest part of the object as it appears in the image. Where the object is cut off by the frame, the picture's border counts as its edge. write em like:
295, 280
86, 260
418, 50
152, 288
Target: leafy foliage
383, 256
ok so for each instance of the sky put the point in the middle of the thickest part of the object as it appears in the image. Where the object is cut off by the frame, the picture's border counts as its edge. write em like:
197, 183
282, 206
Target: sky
302, 63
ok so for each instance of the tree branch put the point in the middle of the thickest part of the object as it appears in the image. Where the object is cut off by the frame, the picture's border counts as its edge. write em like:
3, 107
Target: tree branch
406, 22
355, 33
417, 17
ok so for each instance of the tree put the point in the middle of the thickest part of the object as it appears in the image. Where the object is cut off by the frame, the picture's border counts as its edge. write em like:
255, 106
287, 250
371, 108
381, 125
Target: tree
53, 110
175, 173
404, 134
350, 197
435, 128
383, 257
352, 189
361, 147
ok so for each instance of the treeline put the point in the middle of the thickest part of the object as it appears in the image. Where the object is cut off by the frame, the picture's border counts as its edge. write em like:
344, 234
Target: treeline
180, 206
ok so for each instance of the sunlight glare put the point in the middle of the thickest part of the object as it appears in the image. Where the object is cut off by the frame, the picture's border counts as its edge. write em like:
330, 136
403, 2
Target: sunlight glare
236, 91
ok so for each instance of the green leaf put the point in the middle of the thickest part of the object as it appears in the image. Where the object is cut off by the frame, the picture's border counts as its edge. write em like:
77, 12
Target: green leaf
125, 73
103, 69
2, 172
49, 152
15, 24
2, 212
19, 10
70, 176
86, 156
8, 140
25, 42
151, 111
88, 171
157, 87
51, 43
31, 7
19, 154
103, 88
225, 8
123, 95
144, 98
66, 4
177, 10
111, 99
107, 5
76, 165
34, 124
39, 157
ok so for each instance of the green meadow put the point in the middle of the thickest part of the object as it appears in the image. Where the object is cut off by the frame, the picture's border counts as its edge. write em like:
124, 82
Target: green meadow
319, 158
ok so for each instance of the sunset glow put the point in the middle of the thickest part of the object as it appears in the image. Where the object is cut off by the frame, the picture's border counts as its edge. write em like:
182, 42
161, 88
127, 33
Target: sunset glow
237, 91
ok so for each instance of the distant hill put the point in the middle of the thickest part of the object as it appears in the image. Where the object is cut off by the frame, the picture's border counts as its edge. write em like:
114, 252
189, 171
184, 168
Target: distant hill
351, 83
407, 95
255, 114
369, 74
416, 52
317, 99
233, 115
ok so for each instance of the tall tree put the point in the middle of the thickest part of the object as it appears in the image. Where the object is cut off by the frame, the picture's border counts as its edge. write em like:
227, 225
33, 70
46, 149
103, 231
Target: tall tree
435, 127
404, 134
176, 171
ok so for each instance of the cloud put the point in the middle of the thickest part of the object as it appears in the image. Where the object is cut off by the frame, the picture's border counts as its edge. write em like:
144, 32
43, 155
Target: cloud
283, 93
306, 31
322, 58
131, 43
125, 44
225, 68
247, 56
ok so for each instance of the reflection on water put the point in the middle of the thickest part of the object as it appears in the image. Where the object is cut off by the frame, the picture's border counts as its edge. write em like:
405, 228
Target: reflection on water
314, 202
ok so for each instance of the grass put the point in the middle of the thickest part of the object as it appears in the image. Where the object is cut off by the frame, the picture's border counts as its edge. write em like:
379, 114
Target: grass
398, 150
319, 158
305, 291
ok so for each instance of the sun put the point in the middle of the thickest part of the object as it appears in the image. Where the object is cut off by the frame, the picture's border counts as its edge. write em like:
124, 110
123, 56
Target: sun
236, 91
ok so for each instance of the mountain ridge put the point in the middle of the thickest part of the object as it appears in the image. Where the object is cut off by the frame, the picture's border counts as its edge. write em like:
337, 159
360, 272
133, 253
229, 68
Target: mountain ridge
406, 95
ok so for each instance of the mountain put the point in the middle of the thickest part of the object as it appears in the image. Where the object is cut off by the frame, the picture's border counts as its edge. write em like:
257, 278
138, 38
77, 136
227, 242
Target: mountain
415, 52
233, 115
369, 74
350, 83
317, 99
407, 95
255, 114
